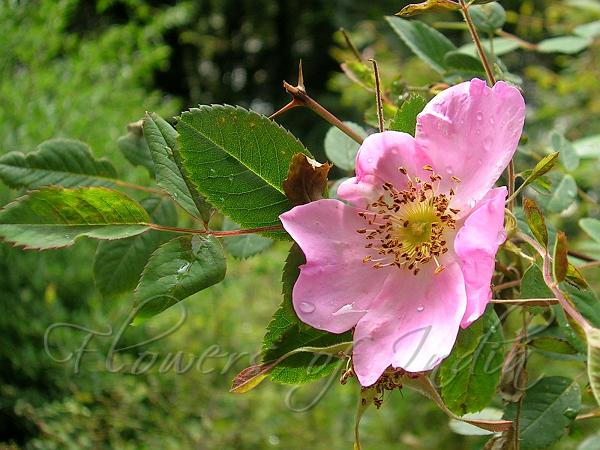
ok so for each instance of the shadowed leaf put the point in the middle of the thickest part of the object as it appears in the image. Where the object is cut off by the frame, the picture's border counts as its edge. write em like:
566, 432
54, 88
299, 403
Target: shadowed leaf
58, 162
54, 217
176, 270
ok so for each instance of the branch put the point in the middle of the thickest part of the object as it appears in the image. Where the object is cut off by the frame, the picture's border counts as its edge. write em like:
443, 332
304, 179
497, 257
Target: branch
526, 301
301, 98
137, 187
157, 227
547, 272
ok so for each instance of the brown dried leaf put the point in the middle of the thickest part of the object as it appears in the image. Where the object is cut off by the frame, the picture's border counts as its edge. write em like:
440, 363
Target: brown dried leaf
428, 6
250, 377
306, 180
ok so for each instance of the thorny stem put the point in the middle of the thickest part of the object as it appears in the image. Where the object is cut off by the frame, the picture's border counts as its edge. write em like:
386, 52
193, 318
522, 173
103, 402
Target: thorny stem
547, 272
492, 81
301, 98
380, 119
157, 227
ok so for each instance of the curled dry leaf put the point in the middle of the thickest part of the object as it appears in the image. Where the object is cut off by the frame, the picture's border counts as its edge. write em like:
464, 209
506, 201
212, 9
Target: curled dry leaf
306, 180
429, 6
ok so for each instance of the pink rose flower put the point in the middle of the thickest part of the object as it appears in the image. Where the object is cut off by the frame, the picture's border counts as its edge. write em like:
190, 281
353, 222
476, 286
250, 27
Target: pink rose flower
410, 259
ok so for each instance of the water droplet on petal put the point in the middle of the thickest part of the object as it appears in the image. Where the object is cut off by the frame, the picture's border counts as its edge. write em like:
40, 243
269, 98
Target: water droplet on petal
420, 308
479, 116
306, 307
492, 121
370, 160
449, 170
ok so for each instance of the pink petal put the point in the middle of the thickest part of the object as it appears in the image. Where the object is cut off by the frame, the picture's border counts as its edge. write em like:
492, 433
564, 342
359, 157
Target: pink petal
412, 325
377, 162
476, 245
335, 288
471, 131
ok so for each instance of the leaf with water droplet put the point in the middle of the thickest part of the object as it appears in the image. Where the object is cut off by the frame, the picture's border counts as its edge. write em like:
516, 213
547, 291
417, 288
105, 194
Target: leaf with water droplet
177, 269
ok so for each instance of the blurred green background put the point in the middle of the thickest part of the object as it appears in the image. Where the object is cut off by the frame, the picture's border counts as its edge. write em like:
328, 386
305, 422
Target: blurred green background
84, 69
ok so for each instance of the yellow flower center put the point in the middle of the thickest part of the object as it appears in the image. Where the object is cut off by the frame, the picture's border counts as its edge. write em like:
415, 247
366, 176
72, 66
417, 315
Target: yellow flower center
407, 227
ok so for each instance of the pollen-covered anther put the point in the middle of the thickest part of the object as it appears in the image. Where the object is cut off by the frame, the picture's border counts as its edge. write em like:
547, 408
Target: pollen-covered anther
407, 227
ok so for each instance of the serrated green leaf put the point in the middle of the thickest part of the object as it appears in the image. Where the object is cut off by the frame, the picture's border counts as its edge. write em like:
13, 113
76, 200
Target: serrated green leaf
176, 270
286, 332
593, 338
427, 43
162, 142
591, 227
470, 375
54, 217
564, 44
488, 18
238, 159
244, 246
405, 119
564, 195
548, 408
535, 221
533, 284
118, 264
59, 162
135, 149
340, 148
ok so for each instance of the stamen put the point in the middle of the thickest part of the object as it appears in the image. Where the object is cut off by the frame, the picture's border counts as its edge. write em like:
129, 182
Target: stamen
407, 227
